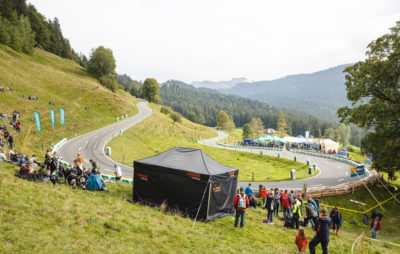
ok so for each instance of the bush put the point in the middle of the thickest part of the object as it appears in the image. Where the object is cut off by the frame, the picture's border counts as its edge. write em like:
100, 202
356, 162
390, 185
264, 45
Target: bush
176, 117
166, 110
109, 83
350, 149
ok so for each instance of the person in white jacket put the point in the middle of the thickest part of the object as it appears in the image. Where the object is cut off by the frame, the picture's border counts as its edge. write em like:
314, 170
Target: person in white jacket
118, 173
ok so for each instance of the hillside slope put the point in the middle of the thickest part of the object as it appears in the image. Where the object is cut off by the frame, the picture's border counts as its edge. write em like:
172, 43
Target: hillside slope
51, 78
41, 218
320, 93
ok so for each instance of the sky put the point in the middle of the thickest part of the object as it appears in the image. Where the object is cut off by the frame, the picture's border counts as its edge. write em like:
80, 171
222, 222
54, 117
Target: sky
193, 40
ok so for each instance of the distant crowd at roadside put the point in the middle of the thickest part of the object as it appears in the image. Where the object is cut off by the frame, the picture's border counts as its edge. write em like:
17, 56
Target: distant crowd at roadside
290, 204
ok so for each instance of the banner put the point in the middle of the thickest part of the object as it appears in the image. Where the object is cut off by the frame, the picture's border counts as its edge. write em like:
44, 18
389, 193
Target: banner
357, 170
53, 117
367, 159
342, 153
37, 120
62, 116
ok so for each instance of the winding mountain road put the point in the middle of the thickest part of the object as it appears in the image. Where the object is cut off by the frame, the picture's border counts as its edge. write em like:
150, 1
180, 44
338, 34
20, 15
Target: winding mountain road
332, 173
91, 145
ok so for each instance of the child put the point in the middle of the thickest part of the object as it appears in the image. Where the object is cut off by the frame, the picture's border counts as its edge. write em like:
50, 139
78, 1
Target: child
375, 227
301, 241
336, 218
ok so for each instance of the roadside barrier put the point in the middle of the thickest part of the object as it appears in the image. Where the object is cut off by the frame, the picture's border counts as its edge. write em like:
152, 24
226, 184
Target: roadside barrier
252, 147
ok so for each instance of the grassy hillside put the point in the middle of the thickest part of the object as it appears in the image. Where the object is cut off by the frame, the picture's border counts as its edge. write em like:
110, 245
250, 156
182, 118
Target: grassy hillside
64, 82
41, 218
158, 133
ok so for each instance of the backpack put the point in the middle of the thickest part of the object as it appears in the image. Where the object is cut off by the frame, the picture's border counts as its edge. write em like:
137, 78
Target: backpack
242, 202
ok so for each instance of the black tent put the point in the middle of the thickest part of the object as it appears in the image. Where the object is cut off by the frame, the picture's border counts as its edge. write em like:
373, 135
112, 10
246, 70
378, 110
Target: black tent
187, 180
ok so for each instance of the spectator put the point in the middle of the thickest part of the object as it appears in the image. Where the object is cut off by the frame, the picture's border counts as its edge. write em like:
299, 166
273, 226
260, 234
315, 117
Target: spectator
11, 141
249, 191
1, 138
311, 214
241, 202
323, 226
277, 198
285, 204
315, 204
375, 227
94, 165
24, 171
336, 218
34, 161
118, 173
270, 207
253, 202
3, 157
263, 195
301, 241
296, 213
79, 162
18, 126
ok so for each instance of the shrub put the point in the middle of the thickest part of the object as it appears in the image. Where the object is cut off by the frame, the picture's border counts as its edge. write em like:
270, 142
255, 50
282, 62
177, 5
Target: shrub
109, 83
166, 110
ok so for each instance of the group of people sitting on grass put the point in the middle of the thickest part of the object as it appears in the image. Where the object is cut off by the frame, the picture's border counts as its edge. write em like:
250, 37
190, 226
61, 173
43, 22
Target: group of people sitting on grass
3, 89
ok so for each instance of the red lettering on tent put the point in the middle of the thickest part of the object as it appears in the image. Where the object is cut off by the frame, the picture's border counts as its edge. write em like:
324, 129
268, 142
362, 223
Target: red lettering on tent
231, 173
194, 176
217, 188
143, 177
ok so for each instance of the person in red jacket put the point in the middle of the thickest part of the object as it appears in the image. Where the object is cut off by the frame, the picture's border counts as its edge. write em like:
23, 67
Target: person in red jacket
241, 202
375, 227
285, 204
263, 195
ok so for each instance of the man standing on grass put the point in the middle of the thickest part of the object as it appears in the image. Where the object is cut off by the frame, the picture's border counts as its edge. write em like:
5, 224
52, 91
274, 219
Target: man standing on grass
323, 227
241, 202
11, 142
249, 191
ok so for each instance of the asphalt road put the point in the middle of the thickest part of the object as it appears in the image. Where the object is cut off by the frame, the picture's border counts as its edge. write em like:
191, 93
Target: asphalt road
332, 173
92, 144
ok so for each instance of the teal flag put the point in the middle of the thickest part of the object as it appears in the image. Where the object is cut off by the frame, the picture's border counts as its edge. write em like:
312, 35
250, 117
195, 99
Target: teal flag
53, 117
62, 116
37, 120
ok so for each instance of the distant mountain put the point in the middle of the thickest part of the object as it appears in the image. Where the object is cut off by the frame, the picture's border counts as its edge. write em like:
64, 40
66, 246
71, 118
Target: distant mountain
319, 94
219, 84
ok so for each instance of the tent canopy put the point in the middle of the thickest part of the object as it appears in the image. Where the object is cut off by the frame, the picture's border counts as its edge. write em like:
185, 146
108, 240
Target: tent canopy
188, 160
187, 180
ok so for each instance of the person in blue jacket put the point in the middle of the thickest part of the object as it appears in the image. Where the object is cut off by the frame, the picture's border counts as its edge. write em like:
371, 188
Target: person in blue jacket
323, 227
336, 217
314, 204
94, 182
249, 191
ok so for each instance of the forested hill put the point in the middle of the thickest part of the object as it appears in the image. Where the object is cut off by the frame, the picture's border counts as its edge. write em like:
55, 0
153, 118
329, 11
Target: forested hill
319, 94
22, 28
185, 98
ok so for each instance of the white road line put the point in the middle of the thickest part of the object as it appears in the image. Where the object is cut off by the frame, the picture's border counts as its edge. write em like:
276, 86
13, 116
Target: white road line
340, 180
318, 185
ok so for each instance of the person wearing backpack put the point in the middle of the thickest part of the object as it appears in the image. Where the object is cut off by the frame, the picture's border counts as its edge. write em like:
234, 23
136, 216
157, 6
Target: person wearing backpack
296, 213
241, 202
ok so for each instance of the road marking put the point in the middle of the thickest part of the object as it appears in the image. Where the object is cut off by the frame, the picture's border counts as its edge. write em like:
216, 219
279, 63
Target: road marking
340, 180
318, 185
347, 173
79, 148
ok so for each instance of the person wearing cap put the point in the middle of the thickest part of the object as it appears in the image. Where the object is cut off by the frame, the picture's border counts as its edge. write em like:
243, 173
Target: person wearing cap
240, 212
118, 173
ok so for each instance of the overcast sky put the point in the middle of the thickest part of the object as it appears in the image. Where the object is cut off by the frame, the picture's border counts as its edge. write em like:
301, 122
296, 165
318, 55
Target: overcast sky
192, 40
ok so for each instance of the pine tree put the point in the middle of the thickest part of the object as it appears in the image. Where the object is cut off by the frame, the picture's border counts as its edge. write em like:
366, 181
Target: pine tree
282, 125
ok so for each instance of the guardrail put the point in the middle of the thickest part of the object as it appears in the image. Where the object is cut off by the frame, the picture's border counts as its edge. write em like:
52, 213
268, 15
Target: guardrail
252, 147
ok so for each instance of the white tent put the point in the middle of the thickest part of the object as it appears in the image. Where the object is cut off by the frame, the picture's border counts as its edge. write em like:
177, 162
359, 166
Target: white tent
328, 144
297, 140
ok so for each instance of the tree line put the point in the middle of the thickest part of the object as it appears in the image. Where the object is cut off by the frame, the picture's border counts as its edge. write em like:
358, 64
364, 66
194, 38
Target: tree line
22, 28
